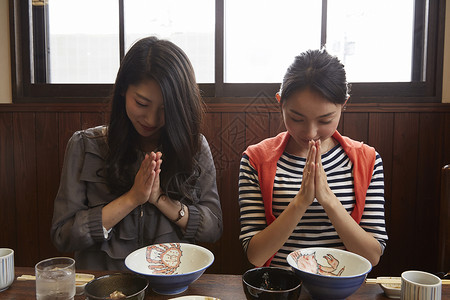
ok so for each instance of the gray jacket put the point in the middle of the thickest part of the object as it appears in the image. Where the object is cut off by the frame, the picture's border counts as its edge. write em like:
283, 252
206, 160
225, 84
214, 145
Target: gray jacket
77, 217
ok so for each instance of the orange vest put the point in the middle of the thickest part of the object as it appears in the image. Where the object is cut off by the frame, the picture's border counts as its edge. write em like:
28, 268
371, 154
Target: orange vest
265, 155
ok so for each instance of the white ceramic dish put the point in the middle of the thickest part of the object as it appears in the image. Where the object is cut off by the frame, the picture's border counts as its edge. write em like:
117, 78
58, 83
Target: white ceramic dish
80, 282
392, 290
80, 287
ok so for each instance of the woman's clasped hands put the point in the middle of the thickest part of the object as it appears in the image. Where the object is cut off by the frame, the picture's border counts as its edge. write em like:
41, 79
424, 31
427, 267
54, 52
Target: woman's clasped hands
146, 185
314, 182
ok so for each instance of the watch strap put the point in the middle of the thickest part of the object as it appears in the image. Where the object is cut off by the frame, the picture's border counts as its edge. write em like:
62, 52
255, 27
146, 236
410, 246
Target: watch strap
181, 213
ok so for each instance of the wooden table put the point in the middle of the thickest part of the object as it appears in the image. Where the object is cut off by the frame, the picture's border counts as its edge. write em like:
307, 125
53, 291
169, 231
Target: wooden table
221, 286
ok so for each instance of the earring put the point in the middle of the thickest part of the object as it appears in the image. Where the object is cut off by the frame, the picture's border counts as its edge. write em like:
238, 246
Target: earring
277, 95
344, 106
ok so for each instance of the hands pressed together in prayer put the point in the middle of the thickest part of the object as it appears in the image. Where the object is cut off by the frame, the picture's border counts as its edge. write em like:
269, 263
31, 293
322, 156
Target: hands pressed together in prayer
146, 185
314, 182
146, 188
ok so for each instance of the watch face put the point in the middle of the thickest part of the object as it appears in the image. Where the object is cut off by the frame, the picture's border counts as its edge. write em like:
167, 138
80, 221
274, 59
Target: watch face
182, 213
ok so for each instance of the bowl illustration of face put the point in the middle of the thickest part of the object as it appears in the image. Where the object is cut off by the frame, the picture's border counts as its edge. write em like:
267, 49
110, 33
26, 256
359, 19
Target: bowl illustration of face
164, 258
170, 267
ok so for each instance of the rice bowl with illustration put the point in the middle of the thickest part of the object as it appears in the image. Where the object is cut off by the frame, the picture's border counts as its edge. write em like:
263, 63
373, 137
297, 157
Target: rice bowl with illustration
329, 273
170, 267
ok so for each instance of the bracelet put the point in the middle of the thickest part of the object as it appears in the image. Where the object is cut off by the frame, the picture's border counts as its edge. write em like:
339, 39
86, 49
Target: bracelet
181, 213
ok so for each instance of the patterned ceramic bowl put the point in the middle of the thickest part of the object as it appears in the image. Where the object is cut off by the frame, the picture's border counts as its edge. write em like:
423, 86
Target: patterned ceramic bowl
171, 267
329, 273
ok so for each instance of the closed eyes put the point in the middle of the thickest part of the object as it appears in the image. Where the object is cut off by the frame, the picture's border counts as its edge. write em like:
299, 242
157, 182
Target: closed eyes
139, 103
324, 122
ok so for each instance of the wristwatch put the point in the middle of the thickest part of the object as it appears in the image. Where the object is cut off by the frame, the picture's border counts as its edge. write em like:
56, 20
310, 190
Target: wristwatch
181, 213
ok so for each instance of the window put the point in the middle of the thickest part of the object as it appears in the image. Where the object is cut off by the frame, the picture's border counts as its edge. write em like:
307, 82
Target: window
373, 50
70, 51
82, 44
189, 24
262, 37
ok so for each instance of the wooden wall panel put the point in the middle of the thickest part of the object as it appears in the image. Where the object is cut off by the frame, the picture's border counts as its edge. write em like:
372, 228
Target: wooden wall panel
212, 125
444, 220
428, 192
233, 143
47, 176
257, 127
413, 142
27, 220
380, 137
8, 233
403, 233
446, 141
355, 125
92, 119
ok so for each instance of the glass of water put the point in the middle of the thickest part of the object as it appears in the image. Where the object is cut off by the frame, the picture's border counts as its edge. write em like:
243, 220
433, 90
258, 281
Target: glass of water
55, 279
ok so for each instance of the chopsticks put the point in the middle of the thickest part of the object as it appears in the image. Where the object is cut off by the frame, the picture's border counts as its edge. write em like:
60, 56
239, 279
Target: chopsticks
80, 278
395, 280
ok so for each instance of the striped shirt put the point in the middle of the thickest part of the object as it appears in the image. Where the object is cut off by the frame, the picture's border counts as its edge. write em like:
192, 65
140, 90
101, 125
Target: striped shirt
314, 229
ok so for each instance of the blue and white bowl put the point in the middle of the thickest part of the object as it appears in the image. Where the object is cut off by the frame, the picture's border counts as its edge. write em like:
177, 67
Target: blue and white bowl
329, 273
171, 267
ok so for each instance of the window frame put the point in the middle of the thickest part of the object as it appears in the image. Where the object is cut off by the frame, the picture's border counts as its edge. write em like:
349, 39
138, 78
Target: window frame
427, 91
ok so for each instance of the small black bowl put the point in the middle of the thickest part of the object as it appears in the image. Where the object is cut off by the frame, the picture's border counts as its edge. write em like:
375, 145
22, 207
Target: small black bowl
271, 283
131, 285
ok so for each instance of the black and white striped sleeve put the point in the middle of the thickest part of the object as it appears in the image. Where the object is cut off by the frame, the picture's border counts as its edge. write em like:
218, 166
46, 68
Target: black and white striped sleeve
252, 216
373, 218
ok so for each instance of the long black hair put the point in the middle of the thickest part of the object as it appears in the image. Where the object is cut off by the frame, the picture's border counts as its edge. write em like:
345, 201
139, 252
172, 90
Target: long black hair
168, 65
319, 71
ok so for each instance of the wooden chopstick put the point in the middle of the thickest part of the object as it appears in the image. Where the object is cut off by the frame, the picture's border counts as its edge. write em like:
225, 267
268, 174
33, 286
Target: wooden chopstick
79, 277
395, 280
384, 280
26, 277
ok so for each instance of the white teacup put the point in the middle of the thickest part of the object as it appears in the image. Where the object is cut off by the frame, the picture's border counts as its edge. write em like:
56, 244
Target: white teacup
6, 268
418, 285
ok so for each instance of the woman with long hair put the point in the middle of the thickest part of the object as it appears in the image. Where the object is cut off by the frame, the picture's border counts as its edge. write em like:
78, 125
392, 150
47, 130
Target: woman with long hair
149, 176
